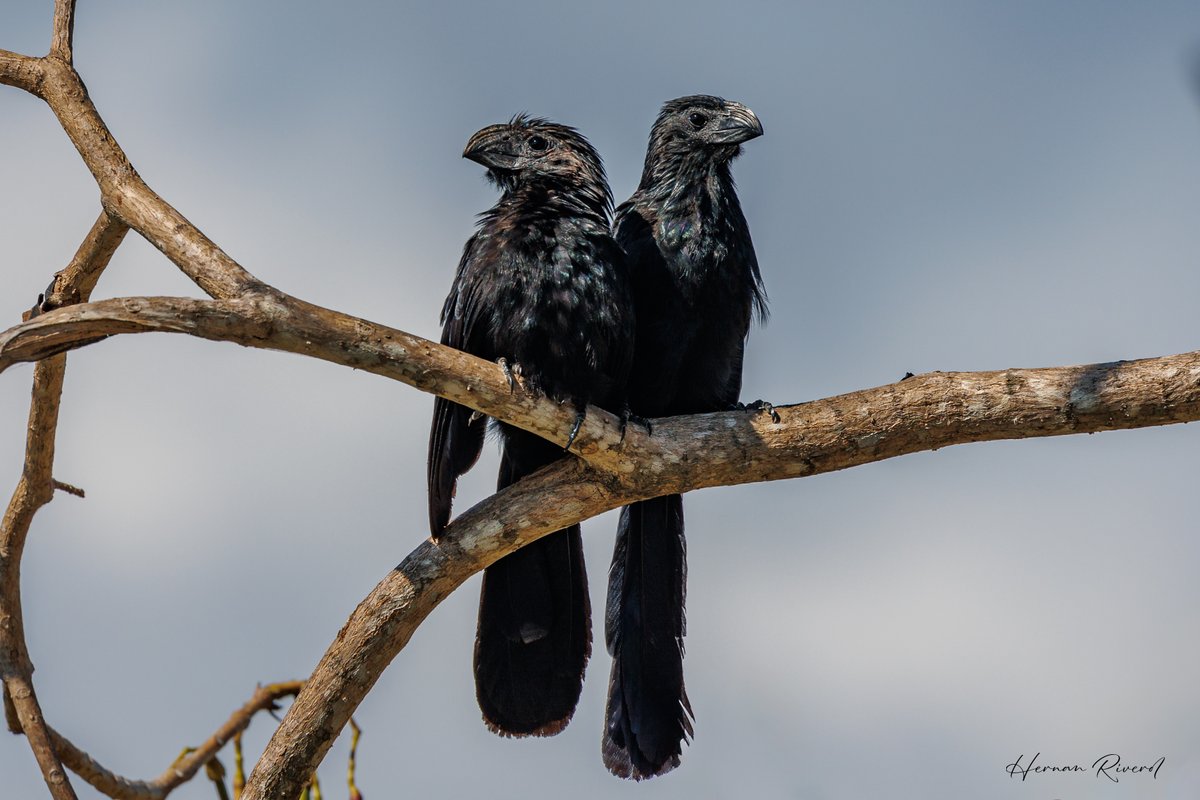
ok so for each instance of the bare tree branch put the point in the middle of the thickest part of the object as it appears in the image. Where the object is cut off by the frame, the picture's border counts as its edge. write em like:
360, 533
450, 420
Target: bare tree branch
22, 72
29, 715
1136, 393
35, 489
384, 621
921, 413
64, 30
10, 710
75, 283
127, 197
183, 770
273, 320
123, 193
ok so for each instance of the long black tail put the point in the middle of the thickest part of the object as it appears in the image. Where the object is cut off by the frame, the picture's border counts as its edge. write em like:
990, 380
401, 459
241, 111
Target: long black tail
648, 716
535, 632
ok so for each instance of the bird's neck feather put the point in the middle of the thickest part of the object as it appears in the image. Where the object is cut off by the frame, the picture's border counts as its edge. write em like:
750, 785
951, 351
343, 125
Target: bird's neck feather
687, 186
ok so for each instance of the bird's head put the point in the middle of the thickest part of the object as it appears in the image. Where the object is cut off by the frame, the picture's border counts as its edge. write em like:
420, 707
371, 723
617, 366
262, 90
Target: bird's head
530, 150
700, 129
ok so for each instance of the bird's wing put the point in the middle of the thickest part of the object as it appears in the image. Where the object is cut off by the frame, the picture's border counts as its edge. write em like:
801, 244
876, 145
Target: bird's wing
456, 435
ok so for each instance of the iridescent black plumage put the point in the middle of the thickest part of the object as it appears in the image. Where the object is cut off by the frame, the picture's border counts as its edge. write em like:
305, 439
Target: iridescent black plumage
696, 286
542, 285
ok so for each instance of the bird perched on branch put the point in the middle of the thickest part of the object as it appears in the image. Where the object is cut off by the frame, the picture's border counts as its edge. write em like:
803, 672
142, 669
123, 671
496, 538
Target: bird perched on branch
541, 286
696, 287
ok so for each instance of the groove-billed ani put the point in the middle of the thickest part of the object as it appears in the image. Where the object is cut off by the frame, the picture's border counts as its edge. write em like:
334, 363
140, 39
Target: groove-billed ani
696, 286
542, 285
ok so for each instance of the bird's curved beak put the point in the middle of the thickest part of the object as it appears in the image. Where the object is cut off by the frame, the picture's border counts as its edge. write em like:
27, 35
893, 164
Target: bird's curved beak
739, 124
492, 147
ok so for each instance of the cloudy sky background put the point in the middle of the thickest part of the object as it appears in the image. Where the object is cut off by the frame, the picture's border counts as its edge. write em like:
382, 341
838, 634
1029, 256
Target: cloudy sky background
942, 185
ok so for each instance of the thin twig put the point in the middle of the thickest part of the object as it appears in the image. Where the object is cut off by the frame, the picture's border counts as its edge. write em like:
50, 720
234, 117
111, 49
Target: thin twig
239, 766
355, 733
69, 489
183, 768
214, 770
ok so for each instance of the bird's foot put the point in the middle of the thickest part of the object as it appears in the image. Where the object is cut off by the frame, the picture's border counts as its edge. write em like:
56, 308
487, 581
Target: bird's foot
512, 373
628, 416
759, 405
45, 302
580, 415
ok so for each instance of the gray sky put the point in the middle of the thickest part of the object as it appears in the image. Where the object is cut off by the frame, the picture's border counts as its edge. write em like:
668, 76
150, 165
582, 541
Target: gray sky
942, 185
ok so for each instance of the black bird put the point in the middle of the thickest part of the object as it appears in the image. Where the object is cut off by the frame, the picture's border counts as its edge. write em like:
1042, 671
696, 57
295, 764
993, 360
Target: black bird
696, 287
543, 286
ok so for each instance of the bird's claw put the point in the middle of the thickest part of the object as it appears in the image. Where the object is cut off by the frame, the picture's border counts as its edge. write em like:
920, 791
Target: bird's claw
512, 373
38, 308
760, 405
580, 415
44, 302
628, 416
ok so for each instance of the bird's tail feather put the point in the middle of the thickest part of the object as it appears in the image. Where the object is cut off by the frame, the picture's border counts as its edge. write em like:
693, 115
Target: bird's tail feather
534, 634
648, 715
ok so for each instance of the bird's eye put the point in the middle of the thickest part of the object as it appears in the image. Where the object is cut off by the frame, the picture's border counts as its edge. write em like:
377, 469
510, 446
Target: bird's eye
697, 119
538, 143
